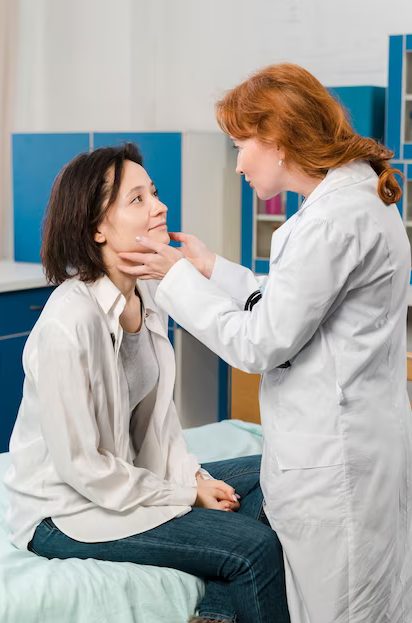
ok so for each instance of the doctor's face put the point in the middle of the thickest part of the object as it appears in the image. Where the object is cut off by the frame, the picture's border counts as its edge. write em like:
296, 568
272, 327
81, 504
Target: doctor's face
259, 163
137, 211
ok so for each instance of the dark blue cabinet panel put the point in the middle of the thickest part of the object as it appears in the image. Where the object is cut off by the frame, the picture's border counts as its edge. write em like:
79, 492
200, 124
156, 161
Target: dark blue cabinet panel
20, 310
18, 313
11, 384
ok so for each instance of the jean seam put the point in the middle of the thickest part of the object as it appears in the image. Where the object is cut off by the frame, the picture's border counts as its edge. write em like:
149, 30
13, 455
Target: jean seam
220, 551
210, 615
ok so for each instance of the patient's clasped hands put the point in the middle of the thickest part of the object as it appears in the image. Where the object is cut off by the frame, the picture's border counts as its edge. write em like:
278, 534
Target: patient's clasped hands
216, 494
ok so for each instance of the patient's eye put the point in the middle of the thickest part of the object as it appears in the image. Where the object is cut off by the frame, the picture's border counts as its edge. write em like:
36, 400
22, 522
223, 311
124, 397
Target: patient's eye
137, 199
155, 192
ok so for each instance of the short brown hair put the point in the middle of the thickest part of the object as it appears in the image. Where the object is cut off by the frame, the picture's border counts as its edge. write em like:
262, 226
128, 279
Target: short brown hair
284, 104
80, 197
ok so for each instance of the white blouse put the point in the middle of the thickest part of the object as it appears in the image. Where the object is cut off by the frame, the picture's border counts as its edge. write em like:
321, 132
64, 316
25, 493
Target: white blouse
76, 454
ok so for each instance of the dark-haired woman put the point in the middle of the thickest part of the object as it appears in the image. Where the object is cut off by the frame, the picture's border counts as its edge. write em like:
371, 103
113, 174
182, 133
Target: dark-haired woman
99, 465
327, 330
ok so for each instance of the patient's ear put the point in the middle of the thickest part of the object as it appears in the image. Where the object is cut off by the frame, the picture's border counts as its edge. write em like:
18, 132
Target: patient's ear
99, 237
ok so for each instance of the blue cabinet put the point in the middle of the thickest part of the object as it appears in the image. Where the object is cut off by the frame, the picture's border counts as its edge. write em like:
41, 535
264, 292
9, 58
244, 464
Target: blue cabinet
18, 313
37, 159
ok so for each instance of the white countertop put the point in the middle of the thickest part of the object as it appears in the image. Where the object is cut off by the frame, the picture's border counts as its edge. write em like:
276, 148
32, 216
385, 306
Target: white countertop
20, 276
23, 276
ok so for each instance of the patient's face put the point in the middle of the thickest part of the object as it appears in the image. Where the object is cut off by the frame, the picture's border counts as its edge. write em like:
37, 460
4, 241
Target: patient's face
137, 211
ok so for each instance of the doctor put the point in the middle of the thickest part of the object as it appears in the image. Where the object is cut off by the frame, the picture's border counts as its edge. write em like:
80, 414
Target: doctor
328, 336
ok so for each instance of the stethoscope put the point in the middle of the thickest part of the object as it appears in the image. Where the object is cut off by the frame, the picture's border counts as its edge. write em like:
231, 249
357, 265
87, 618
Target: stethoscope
249, 305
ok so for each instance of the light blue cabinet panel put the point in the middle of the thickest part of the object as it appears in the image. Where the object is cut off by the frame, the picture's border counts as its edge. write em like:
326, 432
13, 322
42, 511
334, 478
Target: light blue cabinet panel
37, 159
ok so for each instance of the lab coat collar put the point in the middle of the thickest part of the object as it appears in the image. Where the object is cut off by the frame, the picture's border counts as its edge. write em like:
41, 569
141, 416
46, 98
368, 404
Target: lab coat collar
339, 177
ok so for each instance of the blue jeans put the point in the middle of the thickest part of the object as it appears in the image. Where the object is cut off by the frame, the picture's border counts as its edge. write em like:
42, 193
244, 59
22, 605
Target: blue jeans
239, 557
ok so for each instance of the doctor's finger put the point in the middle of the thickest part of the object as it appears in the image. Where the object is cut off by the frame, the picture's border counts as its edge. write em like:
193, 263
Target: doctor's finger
157, 247
134, 256
179, 236
137, 271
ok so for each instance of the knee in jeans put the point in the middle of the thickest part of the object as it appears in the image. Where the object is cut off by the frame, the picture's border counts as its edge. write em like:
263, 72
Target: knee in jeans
266, 544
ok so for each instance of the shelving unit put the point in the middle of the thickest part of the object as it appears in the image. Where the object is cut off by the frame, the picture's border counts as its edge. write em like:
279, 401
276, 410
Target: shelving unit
399, 119
268, 216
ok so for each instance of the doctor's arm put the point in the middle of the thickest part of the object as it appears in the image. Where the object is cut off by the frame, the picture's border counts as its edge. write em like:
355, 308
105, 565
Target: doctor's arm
301, 289
236, 280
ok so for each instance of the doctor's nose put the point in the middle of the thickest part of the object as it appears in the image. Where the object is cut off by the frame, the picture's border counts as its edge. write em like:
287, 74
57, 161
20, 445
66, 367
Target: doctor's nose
239, 170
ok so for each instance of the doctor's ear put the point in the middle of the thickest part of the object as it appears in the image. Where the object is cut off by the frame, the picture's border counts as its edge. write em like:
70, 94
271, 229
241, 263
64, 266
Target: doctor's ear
99, 237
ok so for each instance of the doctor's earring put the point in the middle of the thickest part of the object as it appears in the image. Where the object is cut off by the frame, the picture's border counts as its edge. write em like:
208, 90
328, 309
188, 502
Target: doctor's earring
281, 162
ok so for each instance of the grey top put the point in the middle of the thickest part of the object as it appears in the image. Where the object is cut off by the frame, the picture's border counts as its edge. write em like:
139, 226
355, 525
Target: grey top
140, 364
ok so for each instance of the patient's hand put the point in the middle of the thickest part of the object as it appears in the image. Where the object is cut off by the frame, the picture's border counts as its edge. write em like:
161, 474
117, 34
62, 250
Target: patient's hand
196, 252
216, 494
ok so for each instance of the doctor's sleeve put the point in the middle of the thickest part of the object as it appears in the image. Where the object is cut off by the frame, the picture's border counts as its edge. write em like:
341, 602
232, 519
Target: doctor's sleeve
236, 280
302, 286
69, 426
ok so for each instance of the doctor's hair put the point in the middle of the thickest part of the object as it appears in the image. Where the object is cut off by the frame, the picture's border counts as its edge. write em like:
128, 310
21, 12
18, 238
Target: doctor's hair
285, 105
80, 197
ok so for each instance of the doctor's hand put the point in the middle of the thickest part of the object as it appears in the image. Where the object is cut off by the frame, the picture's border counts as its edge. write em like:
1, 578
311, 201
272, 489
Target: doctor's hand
196, 252
216, 494
154, 264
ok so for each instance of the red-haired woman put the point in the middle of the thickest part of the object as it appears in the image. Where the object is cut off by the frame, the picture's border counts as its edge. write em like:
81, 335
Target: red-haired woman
329, 337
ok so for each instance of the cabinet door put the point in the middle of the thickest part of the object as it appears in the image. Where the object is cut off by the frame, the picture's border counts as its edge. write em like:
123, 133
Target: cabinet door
37, 158
11, 385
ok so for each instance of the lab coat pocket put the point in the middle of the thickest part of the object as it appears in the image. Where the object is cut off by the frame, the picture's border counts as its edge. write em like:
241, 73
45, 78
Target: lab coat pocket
308, 478
304, 451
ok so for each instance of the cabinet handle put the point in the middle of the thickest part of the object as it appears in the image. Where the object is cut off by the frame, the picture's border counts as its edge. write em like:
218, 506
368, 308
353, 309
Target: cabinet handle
36, 307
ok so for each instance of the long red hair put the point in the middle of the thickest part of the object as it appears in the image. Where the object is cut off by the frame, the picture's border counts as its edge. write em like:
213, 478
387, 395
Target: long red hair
286, 105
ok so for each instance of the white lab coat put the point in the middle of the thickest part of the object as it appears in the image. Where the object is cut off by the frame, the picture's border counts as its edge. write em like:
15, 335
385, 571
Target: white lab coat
76, 454
336, 466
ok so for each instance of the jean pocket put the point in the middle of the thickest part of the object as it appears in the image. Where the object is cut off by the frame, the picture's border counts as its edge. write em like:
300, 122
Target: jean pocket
49, 523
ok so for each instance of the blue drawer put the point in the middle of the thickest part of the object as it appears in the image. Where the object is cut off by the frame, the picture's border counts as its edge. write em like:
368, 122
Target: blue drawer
20, 310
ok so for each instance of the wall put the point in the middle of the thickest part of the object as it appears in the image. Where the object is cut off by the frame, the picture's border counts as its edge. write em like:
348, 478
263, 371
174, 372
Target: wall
161, 64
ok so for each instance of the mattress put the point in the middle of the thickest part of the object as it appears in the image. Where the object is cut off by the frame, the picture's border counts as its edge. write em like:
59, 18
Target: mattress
37, 590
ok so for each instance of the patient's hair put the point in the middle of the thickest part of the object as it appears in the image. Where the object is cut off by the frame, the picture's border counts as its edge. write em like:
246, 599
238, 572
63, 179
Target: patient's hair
80, 197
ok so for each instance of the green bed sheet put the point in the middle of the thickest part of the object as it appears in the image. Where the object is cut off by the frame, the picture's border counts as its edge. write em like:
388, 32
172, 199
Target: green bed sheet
36, 590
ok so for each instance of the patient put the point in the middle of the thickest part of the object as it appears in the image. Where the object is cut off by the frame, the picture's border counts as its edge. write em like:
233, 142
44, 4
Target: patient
99, 464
